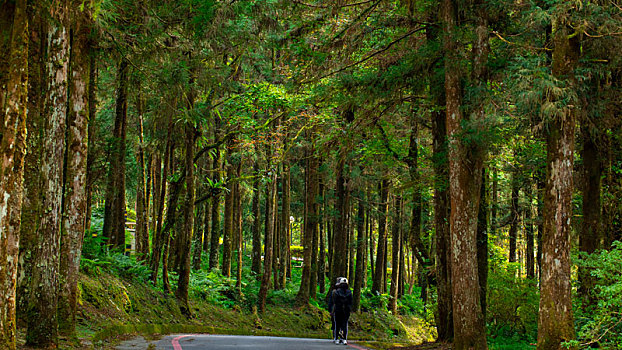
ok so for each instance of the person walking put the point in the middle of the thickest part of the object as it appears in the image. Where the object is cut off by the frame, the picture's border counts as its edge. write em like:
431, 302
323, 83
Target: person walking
339, 306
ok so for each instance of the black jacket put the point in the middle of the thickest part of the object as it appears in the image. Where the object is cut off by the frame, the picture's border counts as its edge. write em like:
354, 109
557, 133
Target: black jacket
340, 300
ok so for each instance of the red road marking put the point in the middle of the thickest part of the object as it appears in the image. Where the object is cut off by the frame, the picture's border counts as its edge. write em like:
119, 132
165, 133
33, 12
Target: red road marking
350, 345
175, 341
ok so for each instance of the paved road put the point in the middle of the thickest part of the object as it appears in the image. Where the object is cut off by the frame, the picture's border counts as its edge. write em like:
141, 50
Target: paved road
231, 342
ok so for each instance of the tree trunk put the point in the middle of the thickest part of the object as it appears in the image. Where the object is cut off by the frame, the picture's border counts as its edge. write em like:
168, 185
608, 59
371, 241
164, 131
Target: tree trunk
482, 243
228, 231
378, 280
286, 226
514, 214
74, 201
237, 225
41, 314
32, 186
92, 98
114, 213
529, 261
310, 230
185, 235
395, 259
142, 200
215, 239
464, 184
256, 259
12, 152
540, 207
444, 323
321, 273
361, 251
555, 320
340, 238
589, 240
268, 241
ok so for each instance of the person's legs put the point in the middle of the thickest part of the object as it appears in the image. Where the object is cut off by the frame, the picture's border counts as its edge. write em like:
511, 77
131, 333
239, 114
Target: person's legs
341, 324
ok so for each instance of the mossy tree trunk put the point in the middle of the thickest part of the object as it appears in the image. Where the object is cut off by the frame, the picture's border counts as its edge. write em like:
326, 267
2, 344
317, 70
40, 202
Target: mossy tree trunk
12, 152
41, 314
271, 207
464, 183
74, 201
142, 198
555, 319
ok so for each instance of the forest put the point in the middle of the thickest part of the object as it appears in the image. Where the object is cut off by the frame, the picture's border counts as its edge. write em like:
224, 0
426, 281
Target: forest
458, 161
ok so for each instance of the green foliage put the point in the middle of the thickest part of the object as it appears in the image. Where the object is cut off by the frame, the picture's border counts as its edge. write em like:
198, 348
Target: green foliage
512, 304
371, 301
411, 304
213, 287
601, 324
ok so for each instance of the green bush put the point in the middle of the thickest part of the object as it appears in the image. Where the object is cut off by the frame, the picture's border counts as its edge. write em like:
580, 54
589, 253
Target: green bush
411, 304
601, 324
512, 304
372, 301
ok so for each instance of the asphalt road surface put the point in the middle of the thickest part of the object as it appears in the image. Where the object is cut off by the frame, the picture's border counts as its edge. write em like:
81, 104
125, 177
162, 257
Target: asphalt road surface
233, 342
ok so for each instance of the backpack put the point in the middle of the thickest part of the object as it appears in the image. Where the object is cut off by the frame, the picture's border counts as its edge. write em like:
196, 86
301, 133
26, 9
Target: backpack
340, 300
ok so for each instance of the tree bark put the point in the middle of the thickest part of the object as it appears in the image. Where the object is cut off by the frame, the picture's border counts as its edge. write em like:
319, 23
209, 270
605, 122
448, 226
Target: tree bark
378, 280
514, 215
114, 211
256, 259
215, 238
286, 225
74, 201
555, 319
465, 166
589, 240
340, 238
310, 231
271, 204
361, 251
395, 259
530, 246
12, 152
185, 236
41, 314
482, 243
228, 229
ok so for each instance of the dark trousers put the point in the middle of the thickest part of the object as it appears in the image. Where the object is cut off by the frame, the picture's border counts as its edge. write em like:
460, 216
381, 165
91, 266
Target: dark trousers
340, 325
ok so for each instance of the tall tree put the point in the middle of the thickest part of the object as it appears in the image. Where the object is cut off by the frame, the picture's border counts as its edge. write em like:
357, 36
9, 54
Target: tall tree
12, 153
464, 182
41, 313
377, 282
396, 247
555, 319
114, 214
311, 227
74, 199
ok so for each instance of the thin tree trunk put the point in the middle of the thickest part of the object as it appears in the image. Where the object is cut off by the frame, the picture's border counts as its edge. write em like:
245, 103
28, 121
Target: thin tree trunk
41, 314
530, 246
12, 152
92, 100
321, 273
186, 234
228, 229
256, 259
340, 239
268, 241
114, 213
310, 230
286, 226
215, 239
514, 215
377, 283
482, 242
361, 251
237, 223
142, 200
74, 201
589, 240
395, 259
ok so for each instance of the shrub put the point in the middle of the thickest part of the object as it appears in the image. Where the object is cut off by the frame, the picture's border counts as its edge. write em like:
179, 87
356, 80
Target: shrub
601, 325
